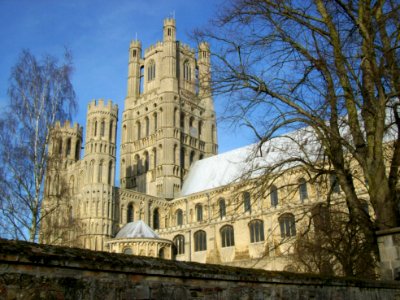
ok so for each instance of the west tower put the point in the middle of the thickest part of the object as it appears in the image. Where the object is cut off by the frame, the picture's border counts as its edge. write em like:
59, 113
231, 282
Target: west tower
98, 200
168, 121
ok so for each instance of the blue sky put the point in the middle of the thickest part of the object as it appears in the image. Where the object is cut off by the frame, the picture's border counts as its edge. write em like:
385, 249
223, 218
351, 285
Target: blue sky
98, 33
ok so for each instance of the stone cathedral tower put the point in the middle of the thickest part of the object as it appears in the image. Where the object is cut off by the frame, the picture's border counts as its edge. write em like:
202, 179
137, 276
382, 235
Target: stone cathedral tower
168, 120
98, 200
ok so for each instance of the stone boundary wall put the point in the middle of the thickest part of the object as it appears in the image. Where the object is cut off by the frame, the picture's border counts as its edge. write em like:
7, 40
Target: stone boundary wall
32, 271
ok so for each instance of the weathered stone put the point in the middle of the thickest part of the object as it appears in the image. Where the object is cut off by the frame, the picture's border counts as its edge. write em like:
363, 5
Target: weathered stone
68, 273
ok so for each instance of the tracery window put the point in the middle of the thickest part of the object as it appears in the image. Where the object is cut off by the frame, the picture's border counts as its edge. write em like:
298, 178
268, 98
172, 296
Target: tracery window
179, 217
187, 71
287, 225
256, 231
199, 212
227, 236
200, 241
151, 71
303, 189
246, 202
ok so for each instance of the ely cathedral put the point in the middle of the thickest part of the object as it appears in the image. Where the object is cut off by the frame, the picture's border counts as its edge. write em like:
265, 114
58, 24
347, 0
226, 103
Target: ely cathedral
178, 199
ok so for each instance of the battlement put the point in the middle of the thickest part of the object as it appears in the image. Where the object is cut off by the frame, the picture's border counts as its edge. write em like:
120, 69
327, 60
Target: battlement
169, 22
153, 47
204, 46
67, 127
136, 44
99, 105
186, 47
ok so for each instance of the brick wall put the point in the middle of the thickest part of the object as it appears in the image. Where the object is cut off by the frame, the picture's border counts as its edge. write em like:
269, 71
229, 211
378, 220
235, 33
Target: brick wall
31, 271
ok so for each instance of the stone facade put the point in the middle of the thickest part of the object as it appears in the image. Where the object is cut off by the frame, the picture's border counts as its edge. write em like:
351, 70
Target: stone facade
169, 124
30, 271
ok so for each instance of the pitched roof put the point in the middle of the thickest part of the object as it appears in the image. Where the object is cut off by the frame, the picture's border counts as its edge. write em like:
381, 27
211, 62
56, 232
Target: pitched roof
250, 161
137, 229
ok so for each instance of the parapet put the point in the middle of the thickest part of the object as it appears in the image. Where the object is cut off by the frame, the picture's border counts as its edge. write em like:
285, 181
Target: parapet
153, 47
136, 44
169, 22
204, 46
100, 105
67, 127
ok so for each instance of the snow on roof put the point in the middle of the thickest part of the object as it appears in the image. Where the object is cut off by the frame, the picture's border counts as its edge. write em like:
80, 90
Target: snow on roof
250, 161
137, 229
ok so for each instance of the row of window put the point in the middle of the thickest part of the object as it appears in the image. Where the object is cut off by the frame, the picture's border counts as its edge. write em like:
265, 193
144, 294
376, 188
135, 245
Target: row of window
303, 191
102, 128
58, 147
139, 134
256, 230
151, 71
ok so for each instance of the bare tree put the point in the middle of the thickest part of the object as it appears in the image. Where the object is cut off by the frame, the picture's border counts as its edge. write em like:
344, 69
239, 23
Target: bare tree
40, 93
330, 70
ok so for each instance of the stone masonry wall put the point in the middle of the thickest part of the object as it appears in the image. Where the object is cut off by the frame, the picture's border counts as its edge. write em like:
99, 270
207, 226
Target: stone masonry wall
31, 271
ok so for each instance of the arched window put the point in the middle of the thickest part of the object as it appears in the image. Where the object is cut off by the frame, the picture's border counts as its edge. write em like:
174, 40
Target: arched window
303, 189
95, 128
155, 120
156, 219
129, 213
227, 236
187, 71
141, 80
200, 241
77, 150
256, 231
183, 122
109, 175
274, 196
179, 242
222, 208
161, 253
102, 127
334, 182
91, 171
179, 217
246, 202
138, 165
68, 146
183, 154
191, 122
100, 174
200, 128
146, 161
110, 132
191, 159
199, 212
147, 124
287, 225
151, 71
128, 251
139, 131
154, 158
60, 146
